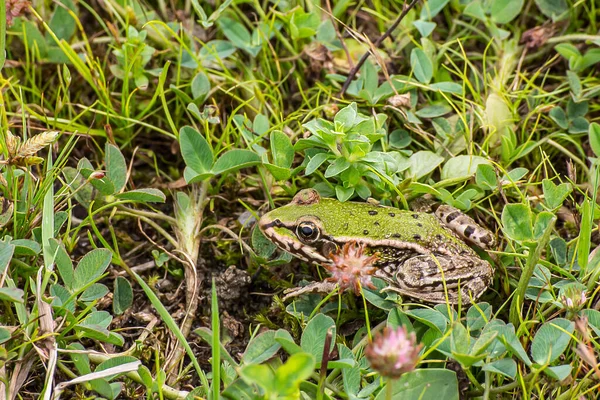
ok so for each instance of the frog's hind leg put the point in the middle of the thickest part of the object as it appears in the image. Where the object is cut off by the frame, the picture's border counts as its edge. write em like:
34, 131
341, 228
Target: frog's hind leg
440, 278
465, 227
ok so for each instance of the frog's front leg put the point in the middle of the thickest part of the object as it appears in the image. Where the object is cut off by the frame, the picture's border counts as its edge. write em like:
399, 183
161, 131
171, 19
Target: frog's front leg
429, 277
465, 227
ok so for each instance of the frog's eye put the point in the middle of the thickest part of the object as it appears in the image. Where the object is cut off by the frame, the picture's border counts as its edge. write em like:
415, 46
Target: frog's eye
307, 231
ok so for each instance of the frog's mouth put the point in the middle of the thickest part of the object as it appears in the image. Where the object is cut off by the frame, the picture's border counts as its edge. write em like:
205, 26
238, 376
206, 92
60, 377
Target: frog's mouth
284, 237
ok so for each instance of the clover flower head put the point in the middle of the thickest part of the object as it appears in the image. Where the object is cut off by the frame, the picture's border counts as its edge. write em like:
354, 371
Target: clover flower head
393, 352
352, 267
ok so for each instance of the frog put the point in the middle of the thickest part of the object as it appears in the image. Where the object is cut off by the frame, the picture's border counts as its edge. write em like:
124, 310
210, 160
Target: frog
424, 256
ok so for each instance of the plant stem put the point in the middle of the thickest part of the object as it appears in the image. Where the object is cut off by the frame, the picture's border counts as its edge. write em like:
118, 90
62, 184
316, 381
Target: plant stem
389, 389
535, 252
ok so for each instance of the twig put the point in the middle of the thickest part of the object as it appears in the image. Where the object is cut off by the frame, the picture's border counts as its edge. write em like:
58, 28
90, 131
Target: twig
378, 42
338, 33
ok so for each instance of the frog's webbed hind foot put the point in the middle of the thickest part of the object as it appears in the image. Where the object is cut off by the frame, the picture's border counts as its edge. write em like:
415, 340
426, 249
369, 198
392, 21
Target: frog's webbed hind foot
437, 279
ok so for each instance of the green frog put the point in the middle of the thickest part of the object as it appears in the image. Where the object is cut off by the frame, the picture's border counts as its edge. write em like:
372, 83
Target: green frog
420, 255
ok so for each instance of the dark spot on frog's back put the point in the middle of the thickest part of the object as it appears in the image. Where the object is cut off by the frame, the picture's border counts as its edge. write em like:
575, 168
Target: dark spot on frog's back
420, 225
365, 232
396, 235
417, 237
376, 223
372, 212
452, 216
345, 226
392, 214
487, 239
469, 231
415, 216
438, 237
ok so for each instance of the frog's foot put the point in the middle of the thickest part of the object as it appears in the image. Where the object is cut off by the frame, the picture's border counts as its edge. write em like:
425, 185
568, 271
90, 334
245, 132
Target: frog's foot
437, 279
314, 287
465, 227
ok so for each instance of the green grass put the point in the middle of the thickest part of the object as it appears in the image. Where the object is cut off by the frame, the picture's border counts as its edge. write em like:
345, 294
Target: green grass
178, 124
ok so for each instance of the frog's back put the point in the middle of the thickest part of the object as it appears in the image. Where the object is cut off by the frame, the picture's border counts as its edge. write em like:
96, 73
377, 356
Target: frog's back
375, 223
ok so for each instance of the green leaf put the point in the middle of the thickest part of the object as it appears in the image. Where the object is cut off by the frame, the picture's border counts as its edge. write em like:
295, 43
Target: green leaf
315, 162
462, 167
282, 149
504, 11
263, 246
34, 40
6, 254
261, 348
195, 150
555, 195
279, 173
62, 23
431, 8
315, 332
424, 27
460, 341
94, 292
429, 317
123, 295
579, 125
506, 335
350, 376
577, 109
237, 34
574, 83
517, 222
421, 65
559, 372
475, 9
343, 193
478, 316
91, 267
149, 195
515, 175
303, 24
116, 167
422, 163
200, 87
260, 375
337, 167
26, 247
433, 111
13, 295
594, 137
234, 160
296, 369
260, 125
430, 383
485, 177
4, 335
286, 340
559, 116
593, 317
551, 340
543, 222
553, 8
346, 116
447, 87
504, 366
585, 230
568, 51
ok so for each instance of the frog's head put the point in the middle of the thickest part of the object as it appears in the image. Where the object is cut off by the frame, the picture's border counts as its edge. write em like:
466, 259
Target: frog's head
300, 227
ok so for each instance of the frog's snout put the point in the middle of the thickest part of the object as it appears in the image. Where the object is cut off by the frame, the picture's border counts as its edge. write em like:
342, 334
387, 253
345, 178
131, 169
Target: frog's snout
267, 222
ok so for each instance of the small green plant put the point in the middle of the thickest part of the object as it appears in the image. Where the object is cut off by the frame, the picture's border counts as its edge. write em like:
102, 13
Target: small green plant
132, 58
